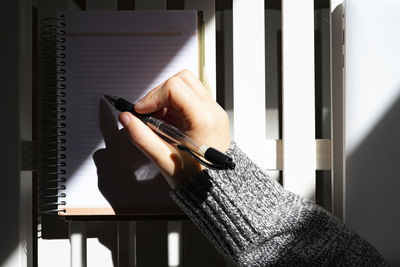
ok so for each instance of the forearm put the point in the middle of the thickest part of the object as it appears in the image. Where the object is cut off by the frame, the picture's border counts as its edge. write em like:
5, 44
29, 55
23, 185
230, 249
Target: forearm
254, 221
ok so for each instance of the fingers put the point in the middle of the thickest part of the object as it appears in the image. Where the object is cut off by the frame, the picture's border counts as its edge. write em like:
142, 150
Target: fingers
147, 141
194, 83
174, 92
184, 102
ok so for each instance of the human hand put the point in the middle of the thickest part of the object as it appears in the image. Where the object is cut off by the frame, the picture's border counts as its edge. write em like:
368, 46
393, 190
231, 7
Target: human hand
183, 102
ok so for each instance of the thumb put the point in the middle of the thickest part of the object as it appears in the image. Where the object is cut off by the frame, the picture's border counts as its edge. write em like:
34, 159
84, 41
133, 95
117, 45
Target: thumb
147, 141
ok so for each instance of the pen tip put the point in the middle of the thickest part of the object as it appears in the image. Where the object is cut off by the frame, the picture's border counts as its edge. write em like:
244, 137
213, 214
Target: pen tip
110, 98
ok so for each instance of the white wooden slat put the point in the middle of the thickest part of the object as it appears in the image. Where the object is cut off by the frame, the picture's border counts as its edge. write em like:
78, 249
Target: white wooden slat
174, 229
77, 238
249, 78
337, 106
208, 8
150, 4
298, 97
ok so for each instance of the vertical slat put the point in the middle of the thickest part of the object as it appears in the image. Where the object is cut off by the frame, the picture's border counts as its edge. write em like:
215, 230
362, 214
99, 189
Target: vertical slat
174, 229
126, 4
323, 74
337, 105
10, 67
208, 8
249, 77
123, 243
298, 97
150, 4
322, 103
272, 70
101, 4
228, 66
198, 251
77, 238
272, 84
152, 244
25, 105
132, 245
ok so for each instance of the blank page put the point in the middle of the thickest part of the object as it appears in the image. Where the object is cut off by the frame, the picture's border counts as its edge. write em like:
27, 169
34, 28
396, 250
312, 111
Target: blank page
125, 54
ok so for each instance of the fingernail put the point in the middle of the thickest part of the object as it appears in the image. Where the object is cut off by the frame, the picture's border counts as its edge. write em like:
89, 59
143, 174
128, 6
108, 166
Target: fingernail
139, 103
124, 119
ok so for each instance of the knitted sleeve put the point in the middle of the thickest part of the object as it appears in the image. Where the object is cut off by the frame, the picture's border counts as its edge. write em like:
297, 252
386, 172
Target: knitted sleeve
253, 221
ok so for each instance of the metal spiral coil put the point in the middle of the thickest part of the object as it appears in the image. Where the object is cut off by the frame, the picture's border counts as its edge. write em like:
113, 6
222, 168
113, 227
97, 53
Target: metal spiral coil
52, 116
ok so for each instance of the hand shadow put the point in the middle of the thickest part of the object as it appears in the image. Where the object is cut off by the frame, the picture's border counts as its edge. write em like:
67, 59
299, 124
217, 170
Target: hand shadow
129, 181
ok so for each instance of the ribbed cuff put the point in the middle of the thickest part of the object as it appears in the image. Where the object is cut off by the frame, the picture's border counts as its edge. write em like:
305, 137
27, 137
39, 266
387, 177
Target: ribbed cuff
231, 207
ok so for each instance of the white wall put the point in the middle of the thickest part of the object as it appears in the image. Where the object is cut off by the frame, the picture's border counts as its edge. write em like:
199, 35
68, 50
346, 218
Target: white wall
372, 63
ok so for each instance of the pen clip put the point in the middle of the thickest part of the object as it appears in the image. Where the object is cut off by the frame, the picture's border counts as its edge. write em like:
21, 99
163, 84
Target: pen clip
203, 162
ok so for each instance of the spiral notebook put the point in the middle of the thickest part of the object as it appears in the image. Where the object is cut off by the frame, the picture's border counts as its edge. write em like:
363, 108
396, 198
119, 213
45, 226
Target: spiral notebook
124, 53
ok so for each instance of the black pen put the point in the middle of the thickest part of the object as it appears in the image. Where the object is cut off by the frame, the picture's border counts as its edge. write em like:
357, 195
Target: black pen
215, 158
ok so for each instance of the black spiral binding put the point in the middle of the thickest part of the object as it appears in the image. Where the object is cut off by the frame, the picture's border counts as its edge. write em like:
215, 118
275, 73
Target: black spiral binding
52, 116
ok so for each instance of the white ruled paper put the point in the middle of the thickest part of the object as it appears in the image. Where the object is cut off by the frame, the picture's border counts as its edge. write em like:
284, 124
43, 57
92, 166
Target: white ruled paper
125, 54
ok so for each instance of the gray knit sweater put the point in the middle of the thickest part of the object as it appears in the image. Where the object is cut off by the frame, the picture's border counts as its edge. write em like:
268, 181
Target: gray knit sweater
252, 220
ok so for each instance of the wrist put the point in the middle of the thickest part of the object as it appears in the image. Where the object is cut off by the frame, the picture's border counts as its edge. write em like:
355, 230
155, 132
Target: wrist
189, 168
182, 171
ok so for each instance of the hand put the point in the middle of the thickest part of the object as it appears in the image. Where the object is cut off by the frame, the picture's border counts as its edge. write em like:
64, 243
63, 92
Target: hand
183, 102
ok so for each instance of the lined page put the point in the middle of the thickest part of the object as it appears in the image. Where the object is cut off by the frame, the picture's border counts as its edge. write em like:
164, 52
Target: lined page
125, 54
